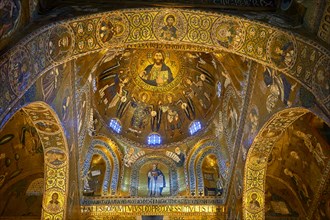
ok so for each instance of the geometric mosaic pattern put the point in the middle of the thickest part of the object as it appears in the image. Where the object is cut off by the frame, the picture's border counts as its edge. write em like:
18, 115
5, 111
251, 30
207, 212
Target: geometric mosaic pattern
53, 141
256, 163
301, 59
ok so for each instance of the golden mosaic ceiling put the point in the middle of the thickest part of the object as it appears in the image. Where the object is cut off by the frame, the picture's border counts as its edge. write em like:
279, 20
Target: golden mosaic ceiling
207, 63
151, 91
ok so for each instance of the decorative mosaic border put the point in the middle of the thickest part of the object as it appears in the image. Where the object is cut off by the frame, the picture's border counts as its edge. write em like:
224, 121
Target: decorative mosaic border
152, 201
82, 95
199, 167
86, 166
194, 155
256, 165
302, 59
96, 146
230, 135
116, 164
56, 175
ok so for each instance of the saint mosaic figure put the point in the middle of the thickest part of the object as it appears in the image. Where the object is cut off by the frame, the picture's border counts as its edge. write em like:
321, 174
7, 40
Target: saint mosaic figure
54, 205
59, 44
299, 184
169, 30
279, 87
156, 181
131, 156
178, 156
284, 53
219, 189
87, 180
158, 73
254, 204
181, 157
141, 113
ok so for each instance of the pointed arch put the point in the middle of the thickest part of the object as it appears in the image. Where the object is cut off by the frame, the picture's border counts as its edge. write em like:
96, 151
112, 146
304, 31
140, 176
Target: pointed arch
108, 150
256, 163
199, 170
56, 175
192, 159
306, 59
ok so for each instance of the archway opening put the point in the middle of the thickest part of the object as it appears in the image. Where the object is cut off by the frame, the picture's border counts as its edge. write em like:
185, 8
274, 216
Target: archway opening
95, 176
211, 176
287, 169
21, 166
34, 166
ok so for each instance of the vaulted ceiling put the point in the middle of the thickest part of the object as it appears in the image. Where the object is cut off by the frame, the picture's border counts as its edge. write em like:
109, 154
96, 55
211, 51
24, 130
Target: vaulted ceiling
234, 112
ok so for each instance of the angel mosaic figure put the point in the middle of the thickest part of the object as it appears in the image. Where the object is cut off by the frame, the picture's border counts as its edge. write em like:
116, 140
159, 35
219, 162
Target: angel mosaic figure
173, 119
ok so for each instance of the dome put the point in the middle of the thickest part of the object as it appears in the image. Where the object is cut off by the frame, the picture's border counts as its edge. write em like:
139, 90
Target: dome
168, 93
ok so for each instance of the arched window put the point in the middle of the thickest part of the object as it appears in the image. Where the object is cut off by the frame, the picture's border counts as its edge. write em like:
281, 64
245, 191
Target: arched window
115, 125
194, 127
154, 139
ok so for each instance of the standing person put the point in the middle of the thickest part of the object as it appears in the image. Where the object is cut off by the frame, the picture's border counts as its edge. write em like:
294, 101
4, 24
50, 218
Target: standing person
156, 181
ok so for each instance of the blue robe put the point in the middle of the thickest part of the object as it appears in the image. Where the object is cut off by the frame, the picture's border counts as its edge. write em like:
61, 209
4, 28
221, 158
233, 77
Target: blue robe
153, 187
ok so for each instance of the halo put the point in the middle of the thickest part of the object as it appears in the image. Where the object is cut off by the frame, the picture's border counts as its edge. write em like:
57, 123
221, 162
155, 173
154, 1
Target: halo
144, 93
154, 164
165, 19
118, 28
158, 51
168, 94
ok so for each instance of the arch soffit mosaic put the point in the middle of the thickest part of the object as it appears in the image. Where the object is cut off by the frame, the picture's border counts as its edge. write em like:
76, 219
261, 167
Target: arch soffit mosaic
256, 163
302, 59
54, 142
201, 146
103, 145
199, 150
108, 144
107, 176
199, 168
